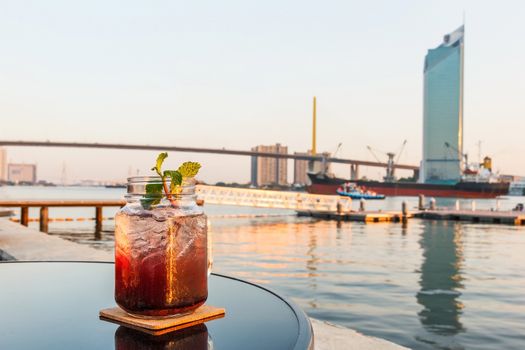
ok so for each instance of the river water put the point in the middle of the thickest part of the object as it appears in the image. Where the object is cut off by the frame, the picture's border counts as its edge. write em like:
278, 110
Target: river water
425, 285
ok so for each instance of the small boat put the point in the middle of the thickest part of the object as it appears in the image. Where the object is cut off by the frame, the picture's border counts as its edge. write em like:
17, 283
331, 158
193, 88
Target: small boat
355, 192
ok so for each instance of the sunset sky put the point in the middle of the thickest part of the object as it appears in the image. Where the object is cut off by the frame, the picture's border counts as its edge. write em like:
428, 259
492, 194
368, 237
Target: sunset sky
236, 74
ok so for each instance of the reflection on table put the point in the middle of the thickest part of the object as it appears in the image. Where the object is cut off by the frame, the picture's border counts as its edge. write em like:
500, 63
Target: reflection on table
193, 338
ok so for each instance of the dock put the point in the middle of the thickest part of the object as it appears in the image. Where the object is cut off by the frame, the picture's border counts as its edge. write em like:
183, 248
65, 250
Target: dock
44, 206
477, 216
359, 216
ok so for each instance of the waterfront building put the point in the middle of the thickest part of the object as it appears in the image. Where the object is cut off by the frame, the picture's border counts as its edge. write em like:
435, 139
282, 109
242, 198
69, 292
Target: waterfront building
21, 173
300, 169
3, 164
322, 166
269, 171
442, 159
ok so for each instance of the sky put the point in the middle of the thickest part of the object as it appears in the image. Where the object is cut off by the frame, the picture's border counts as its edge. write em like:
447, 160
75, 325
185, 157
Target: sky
236, 74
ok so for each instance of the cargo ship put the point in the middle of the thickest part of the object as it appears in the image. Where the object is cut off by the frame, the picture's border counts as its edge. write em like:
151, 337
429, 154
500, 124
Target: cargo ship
328, 184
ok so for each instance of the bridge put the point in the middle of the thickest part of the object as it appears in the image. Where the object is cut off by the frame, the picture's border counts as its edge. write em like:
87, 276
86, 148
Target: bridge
224, 151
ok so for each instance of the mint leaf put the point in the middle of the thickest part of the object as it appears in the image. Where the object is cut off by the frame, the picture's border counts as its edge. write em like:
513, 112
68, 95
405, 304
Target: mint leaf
147, 201
160, 160
154, 189
189, 169
176, 179
153, 195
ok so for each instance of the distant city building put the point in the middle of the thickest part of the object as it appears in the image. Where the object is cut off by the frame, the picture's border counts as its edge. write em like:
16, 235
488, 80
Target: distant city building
21, 173
302, 167
269, 171
443, 111
3, 164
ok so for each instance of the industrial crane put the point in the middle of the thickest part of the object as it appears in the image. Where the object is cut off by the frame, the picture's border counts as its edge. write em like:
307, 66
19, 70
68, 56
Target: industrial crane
391, 162
463, 155
466, 166
337, 149
480, 170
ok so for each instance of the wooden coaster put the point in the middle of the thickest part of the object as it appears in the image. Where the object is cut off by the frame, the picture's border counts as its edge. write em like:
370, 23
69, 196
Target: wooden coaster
164, 325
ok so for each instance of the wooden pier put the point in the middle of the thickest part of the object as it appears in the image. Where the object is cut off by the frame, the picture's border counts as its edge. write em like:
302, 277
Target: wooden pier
476, 216
481, 216
359, 216
44, 206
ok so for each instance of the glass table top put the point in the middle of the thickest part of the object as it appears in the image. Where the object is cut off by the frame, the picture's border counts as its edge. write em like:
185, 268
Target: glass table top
55, 305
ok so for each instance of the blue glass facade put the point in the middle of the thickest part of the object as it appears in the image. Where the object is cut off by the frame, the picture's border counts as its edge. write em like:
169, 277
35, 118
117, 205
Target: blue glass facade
443, 111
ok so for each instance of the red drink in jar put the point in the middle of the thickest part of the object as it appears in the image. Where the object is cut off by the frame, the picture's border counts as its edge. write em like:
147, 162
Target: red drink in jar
161, 264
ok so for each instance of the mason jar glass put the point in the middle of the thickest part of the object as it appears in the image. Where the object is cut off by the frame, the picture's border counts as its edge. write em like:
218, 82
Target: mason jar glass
161, 263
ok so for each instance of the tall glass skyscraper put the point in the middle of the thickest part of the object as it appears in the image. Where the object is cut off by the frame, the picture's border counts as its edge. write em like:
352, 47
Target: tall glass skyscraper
443, 111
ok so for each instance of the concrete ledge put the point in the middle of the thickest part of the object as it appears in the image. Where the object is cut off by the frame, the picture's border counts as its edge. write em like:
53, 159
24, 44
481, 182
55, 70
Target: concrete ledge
23, 243
6, 257
329, 336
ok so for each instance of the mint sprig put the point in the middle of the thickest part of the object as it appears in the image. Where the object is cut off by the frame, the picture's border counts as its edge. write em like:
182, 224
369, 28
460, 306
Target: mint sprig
154, 191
